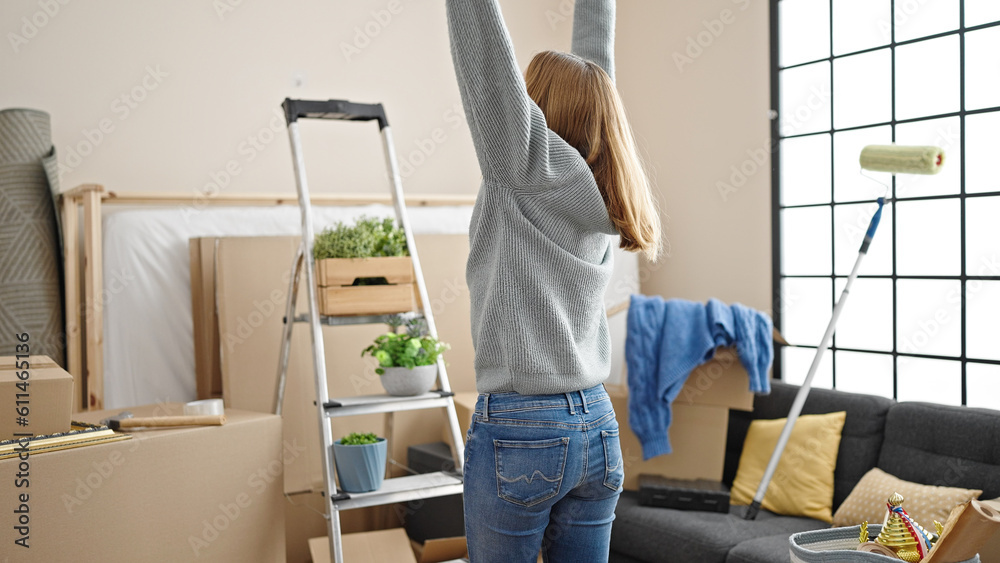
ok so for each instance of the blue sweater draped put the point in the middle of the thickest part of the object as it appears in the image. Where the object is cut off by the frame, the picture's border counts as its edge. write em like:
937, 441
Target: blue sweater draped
668, 339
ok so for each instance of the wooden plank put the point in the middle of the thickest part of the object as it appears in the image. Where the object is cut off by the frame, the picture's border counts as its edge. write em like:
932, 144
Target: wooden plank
617, 308
93, 300
166, 198
204, 317
78, 192
71, 279
202, 353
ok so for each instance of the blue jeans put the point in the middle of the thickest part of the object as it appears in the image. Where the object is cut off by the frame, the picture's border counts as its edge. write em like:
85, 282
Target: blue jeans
542, 472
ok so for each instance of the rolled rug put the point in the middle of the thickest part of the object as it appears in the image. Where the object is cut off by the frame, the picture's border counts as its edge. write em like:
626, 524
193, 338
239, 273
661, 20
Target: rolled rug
900, 159
30, 251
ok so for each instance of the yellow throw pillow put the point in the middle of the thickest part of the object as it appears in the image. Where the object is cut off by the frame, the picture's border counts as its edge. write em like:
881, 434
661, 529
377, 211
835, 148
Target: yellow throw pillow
925, 503
803, 482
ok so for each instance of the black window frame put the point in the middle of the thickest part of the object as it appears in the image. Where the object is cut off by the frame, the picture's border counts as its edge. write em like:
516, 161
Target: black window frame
777, 277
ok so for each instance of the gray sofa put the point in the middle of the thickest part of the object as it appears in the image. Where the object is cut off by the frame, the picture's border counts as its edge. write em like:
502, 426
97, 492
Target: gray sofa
920, 442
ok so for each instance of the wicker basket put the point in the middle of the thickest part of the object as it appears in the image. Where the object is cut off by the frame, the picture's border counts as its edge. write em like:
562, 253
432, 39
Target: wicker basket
837, 545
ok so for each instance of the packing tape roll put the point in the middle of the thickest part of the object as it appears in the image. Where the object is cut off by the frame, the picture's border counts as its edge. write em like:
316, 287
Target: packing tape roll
898, 159
204, 407
966, 532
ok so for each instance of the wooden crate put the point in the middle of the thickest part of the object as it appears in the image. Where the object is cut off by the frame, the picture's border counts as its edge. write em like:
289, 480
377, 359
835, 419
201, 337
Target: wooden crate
343, 271
337, 296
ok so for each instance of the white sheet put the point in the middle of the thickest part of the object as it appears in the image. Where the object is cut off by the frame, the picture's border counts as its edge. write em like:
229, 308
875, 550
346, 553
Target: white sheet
148, 331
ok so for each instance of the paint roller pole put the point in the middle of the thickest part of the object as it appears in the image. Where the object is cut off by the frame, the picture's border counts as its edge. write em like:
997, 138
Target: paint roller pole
800, 397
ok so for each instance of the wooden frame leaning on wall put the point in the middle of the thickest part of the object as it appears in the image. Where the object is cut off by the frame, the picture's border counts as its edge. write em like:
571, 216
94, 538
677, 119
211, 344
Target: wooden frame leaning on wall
83, 262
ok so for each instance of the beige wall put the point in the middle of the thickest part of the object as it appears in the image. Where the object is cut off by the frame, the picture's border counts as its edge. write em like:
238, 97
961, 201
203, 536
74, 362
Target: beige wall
697, 115
221, 74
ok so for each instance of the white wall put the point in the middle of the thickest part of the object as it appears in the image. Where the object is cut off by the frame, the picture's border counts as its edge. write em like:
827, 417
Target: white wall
222, 75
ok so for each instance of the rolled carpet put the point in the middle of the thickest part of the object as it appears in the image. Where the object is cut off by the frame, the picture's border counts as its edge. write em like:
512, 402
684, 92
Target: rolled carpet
30, 255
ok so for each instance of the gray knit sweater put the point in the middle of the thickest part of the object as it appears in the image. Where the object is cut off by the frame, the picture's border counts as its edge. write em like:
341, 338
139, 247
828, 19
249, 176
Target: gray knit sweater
540, 238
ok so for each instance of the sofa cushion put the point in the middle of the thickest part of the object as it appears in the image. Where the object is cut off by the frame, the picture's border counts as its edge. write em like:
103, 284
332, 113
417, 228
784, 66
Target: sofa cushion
925, 503
943, 445
650, 533
802, 484
861, 438
767, 549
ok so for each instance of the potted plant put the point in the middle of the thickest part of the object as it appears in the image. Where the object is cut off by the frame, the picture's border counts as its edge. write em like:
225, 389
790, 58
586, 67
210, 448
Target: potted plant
364, 269
407, 362
360, 461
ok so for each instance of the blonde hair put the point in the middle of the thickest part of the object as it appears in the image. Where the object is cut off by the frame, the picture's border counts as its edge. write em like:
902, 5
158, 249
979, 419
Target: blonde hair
582, 106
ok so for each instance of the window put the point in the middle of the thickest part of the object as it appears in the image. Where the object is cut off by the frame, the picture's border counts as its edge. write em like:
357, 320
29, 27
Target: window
923, 319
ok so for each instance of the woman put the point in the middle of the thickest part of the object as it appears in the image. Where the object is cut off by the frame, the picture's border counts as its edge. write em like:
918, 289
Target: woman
561, 178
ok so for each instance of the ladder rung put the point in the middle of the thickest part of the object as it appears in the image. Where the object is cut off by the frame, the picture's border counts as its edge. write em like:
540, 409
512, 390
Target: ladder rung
368, 404
403, 489
359, 319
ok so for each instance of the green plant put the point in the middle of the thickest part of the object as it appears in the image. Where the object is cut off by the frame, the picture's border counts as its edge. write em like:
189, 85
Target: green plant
356, 439
409, 349
369, 237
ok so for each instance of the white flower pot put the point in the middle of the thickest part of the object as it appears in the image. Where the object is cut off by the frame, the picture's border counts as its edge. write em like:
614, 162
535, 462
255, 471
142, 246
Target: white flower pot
405, 382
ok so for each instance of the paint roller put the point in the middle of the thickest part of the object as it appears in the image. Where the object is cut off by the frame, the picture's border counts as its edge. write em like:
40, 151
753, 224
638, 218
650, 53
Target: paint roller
894, 159
897, 159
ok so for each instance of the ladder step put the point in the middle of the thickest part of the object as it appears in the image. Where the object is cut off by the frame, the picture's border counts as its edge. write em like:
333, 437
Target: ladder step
334, 109
360, 319
403, 489
368, 404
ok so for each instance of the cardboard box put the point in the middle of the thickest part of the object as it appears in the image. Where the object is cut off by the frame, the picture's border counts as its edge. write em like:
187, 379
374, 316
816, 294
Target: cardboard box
699, 425
47, 399
697, 436
208, 493
379, 546
7, 362
303, 520
720, 382
465, 405
440, 550
205, 318
251, 287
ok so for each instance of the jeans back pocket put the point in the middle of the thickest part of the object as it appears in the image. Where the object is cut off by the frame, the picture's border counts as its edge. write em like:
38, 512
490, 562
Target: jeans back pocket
614, 470
530, 471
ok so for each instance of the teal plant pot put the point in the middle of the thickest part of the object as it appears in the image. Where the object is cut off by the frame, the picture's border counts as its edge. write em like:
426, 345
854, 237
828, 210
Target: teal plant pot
360, 468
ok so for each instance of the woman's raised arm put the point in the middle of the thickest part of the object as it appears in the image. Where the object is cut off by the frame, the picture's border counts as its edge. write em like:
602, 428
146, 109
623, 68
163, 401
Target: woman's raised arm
594, 32
508, 129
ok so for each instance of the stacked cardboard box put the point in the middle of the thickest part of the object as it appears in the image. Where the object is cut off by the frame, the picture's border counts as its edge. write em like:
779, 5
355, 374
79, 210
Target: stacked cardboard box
698, 429
389, 545
700, 420
239, 287
36, 397
208, 493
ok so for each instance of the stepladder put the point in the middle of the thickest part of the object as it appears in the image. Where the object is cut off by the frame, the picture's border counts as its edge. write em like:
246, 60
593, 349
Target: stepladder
403, 489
